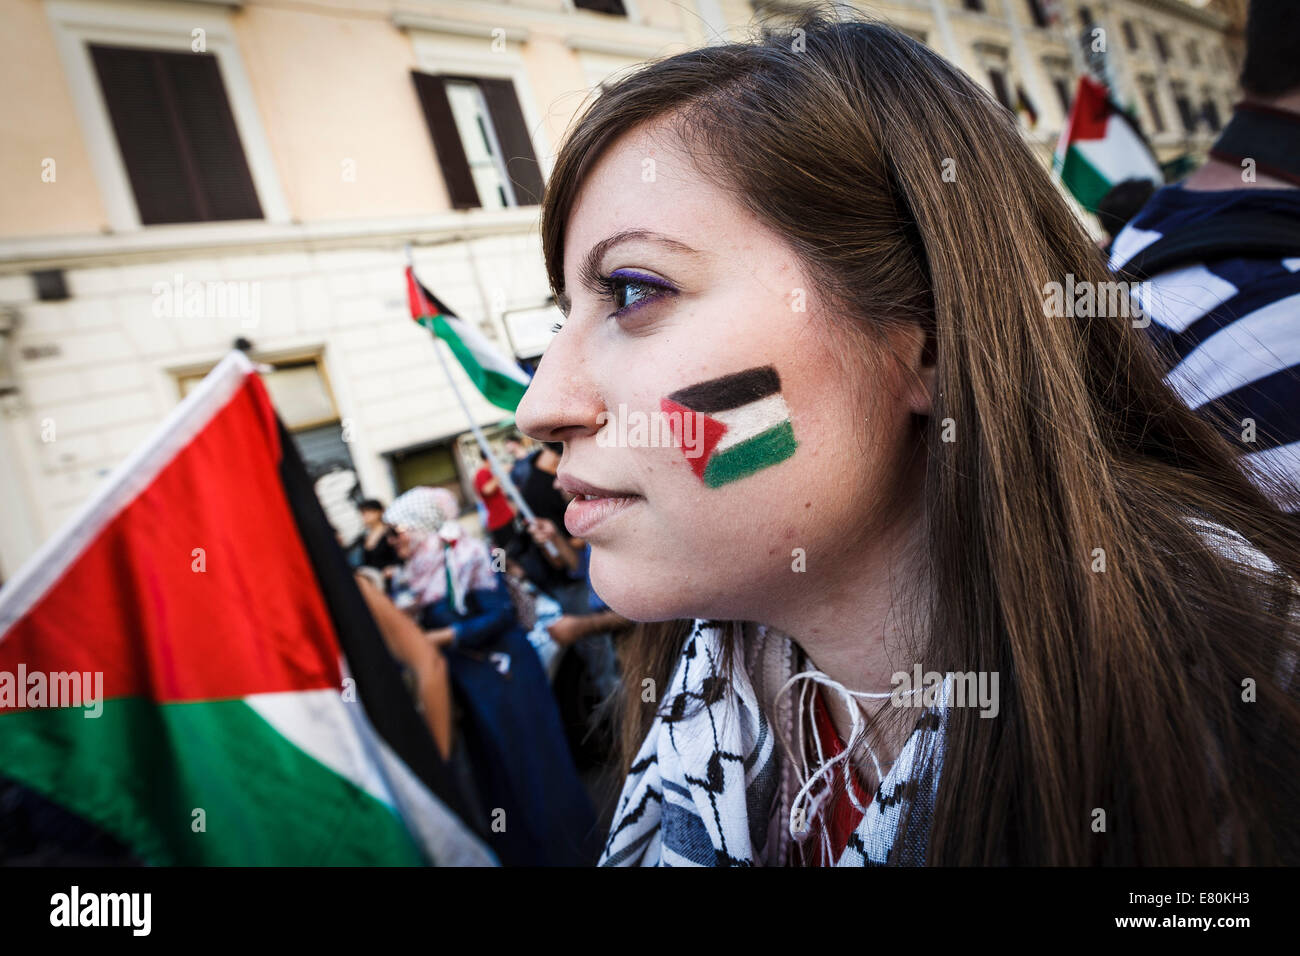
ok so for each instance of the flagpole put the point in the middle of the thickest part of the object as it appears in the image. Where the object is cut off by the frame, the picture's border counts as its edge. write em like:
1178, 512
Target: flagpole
502, 478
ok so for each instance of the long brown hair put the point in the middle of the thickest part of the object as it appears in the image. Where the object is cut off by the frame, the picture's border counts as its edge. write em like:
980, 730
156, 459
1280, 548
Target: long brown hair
910, 196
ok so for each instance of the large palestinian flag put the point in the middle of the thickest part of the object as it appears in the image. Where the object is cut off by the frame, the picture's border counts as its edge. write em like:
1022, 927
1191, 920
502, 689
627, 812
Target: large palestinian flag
500, 380
1100, 147
247, 710
733, 426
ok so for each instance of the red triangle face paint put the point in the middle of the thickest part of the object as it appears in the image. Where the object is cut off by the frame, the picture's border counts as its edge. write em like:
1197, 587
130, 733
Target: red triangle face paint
697, 434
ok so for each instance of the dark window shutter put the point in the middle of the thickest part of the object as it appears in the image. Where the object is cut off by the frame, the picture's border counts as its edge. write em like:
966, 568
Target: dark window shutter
516, 144
446, 141
1000, 88
614, 7
208, 129
1063, 94
176, 134
1153, 107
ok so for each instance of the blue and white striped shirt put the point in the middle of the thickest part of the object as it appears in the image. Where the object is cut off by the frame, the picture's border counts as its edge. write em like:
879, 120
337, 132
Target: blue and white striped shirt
1230, 326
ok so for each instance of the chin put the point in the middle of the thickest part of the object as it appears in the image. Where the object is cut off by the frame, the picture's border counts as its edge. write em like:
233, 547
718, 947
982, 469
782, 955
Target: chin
654, 593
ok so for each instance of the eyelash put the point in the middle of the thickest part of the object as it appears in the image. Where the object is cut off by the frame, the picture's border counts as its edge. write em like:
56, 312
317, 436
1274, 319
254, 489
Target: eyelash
608, 285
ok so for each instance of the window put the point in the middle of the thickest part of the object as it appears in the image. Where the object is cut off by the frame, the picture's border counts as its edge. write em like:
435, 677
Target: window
432, 464
614, 7
303, 400
1130, 35
1193, 54
975, 5
999, 81
1162, 47
1062, 93
1153, 105
1185, 111
176, 135
1210, 110
1037, 14
481, 141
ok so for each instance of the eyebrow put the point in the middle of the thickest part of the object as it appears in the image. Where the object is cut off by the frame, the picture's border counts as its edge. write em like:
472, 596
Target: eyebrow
589, 270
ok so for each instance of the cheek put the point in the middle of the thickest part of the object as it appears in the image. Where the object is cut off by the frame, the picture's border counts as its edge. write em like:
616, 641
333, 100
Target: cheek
839, 480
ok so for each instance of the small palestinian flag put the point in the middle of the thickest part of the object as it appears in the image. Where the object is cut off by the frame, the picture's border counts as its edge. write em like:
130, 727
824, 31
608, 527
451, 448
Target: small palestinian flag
1100, 147
246, 711
499, 379
745, 425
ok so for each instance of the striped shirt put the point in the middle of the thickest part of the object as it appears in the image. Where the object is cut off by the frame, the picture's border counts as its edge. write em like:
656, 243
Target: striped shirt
1229, 328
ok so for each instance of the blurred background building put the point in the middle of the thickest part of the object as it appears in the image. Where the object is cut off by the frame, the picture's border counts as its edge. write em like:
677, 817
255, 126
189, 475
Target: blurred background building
181, 175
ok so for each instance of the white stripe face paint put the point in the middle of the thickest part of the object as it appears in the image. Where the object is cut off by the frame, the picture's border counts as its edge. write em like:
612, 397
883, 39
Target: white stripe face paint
753, 419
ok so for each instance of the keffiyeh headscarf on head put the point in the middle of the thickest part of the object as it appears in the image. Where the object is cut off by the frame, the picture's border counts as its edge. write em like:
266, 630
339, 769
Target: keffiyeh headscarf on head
443, 553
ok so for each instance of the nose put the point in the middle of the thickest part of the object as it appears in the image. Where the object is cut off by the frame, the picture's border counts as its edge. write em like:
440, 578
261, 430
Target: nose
563, 401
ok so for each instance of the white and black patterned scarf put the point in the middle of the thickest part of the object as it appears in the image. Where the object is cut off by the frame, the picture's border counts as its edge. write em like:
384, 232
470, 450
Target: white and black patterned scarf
708, 787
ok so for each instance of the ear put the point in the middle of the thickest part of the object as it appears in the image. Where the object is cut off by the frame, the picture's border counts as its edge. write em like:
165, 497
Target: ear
920, 370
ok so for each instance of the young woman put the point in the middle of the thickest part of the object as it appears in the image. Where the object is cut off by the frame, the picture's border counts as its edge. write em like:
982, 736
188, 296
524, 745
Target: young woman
932, 571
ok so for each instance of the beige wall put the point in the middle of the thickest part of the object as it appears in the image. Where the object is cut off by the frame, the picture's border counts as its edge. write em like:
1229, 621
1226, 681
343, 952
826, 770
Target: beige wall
36, 122
334, 89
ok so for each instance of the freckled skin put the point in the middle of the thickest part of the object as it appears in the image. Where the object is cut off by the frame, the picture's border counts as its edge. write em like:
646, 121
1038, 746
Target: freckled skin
687, 550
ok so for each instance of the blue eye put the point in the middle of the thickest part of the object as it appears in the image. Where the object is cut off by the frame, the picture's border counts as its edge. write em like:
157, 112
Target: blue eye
626, 289
637, 289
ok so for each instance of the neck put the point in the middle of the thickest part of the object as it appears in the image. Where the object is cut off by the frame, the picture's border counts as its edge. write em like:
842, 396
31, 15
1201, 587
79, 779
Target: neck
1221, 173
860, 623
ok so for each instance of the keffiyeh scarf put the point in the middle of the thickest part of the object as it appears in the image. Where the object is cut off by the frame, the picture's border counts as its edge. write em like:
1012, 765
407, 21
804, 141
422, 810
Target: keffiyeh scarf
444, 555
710, 787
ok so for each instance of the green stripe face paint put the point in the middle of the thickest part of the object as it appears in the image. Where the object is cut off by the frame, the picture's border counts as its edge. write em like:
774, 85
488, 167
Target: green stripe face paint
746, 424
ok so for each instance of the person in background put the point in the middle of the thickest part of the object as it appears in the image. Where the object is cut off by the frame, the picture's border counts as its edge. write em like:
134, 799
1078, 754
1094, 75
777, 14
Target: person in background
536, 611
407, 643
515, 744
1219, 256
538, 487
372, 548
522, 465
1121, 203
500, 513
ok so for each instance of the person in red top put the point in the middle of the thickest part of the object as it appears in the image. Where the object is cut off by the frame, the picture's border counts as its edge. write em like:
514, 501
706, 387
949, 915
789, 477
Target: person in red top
500, 513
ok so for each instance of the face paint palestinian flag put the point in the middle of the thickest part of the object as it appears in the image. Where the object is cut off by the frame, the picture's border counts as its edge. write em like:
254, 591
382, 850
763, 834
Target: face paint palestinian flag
733, 426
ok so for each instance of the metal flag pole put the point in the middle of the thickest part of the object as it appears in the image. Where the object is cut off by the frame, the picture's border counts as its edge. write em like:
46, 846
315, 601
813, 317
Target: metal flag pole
503, 478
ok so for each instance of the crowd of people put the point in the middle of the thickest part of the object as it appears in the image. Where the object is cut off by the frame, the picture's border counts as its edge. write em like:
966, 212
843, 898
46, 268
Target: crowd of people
509, 653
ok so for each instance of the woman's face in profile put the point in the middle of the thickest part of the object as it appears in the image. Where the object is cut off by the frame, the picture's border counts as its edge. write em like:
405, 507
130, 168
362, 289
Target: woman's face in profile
757, 463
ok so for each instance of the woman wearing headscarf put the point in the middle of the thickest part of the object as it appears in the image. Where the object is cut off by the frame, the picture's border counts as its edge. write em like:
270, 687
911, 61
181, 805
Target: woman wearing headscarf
536, 807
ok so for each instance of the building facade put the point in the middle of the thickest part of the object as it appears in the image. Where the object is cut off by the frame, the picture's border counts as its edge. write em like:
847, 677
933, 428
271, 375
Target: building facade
184, 174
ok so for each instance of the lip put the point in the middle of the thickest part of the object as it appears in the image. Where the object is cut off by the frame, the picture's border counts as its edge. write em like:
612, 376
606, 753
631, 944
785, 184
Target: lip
584, 514
576, 486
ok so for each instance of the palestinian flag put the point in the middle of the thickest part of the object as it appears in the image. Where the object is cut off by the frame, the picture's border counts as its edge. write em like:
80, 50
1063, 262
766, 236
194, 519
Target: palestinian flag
501, 381
1100, 147
236, 703
743, 425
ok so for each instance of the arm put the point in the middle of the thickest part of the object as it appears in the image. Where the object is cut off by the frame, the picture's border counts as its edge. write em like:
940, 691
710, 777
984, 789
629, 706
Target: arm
572, 628
495, 615
544, 530
408, 645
